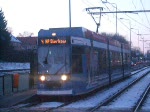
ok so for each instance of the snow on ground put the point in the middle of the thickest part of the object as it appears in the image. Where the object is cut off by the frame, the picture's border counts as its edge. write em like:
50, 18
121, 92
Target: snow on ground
52, 104
48, 105
130, 97
97, 98
11, 66
45, 105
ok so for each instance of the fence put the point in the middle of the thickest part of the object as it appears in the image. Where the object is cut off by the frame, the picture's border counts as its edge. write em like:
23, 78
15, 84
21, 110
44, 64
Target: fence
15, 81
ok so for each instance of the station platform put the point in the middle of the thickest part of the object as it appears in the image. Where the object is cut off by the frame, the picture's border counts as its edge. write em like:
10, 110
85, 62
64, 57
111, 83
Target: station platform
15, 98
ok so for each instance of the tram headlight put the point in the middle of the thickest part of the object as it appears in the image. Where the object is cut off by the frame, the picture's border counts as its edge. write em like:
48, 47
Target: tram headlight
42, 78
64, 77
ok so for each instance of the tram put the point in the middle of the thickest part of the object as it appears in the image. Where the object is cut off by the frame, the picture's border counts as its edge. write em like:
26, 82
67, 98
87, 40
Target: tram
75, 61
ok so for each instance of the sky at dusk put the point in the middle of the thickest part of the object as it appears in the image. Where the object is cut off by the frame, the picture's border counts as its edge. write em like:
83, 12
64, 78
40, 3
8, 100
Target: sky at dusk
33, 15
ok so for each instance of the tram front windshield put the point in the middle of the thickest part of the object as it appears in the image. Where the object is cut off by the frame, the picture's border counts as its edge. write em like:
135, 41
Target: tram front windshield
53, 59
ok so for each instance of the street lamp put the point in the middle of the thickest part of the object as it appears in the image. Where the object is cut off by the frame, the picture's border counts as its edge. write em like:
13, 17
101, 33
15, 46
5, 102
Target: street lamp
138, 43
116, 11
143, 45
130, 35
129, 29
143, 40
138, 36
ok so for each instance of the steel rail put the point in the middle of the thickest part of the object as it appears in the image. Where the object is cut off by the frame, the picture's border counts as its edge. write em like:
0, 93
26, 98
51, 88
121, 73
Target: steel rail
109, 99
142, 98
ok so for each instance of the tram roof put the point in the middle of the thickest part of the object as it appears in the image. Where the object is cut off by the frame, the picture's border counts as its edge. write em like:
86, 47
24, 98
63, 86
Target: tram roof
77, 32
66, 31
73, 31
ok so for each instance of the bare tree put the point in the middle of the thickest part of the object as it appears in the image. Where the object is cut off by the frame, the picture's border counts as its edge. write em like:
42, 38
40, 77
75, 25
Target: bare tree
25, 34
118, 37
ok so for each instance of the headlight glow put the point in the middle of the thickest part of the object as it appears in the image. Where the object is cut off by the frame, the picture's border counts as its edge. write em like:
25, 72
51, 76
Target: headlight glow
42, 78
64, 77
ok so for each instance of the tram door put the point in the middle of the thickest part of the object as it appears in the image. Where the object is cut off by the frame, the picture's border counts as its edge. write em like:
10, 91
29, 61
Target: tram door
85, 65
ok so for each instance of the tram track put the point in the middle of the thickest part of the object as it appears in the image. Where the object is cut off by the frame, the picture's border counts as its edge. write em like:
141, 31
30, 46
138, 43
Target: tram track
117, 94
141, 99
108, 98
34, 107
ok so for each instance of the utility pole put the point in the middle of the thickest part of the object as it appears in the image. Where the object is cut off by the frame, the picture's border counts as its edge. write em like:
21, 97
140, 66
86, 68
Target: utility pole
143, 40
116, 11
89, 10
130, 35
69, 13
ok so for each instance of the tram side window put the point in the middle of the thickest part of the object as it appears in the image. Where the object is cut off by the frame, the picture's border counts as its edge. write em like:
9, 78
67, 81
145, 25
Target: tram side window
117, 59
126, 58
77, 59
103, 61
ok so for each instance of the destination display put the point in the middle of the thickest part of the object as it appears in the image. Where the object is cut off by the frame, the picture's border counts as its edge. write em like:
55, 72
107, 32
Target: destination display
52, 41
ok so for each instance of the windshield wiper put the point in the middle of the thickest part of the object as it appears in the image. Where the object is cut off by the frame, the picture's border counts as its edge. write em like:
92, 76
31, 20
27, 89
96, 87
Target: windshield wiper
45, 61
46, 58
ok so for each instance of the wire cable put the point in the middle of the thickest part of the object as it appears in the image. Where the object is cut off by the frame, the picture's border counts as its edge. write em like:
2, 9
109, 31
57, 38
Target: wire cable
144, 12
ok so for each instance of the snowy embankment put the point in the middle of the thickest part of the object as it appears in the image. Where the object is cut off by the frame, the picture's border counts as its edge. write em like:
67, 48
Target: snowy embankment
11, 66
